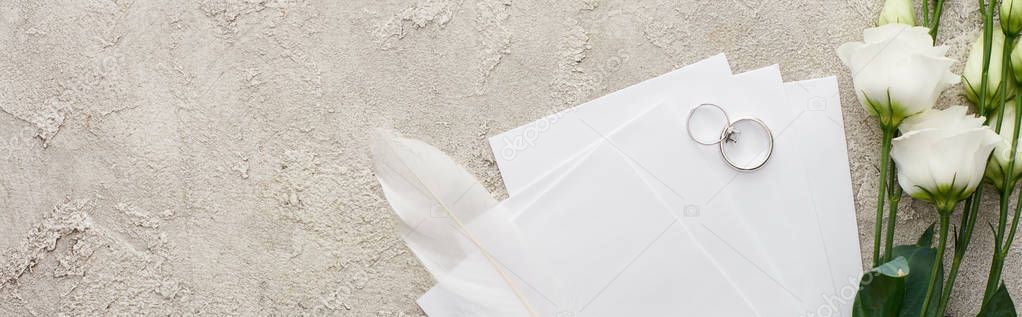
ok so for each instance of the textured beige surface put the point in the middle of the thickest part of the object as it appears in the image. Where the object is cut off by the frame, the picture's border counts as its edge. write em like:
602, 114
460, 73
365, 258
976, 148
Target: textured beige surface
209, 157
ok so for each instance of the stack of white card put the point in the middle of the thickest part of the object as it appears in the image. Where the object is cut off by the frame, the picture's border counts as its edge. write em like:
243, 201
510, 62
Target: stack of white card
617, 212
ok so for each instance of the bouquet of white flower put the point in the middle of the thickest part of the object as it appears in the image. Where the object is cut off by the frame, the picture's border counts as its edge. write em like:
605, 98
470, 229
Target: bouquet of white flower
941, 156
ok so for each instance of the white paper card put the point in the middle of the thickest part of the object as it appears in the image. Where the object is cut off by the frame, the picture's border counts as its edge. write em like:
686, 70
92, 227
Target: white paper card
820, 130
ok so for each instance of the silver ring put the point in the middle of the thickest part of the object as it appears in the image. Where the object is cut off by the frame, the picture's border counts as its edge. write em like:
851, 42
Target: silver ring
688, 124
726, 136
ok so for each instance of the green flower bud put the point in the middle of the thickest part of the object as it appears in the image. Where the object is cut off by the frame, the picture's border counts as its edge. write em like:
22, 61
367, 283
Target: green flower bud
1016, 61
972, 74
998, 164
1011, 16
899, 11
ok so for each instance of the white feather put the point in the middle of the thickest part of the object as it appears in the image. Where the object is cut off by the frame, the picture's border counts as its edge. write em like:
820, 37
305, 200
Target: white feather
435, 200
467, 292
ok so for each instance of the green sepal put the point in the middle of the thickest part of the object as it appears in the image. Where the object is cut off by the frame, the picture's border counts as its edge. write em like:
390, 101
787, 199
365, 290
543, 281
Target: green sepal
926, 239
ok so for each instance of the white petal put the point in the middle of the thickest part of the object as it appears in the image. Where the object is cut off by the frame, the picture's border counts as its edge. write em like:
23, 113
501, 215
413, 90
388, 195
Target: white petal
876, 57
919, 82
986, 141
1003, 148
1002, 152
845, 53
875, 86
911, 153
915, 36
951, 166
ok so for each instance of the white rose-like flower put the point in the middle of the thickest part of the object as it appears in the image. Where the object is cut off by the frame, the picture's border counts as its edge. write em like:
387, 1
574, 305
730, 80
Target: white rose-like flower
896, 70
942, 155
998, 164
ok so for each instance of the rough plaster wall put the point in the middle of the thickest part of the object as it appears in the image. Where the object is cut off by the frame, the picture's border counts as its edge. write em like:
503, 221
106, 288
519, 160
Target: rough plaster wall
209, 157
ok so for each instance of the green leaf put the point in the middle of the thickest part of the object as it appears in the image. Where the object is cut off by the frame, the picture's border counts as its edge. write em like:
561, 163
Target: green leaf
921, 260
926, 240
881, 290
1000, 305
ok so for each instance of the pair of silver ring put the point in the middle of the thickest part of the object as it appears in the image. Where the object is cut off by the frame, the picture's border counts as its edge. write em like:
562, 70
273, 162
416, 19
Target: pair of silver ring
728, 135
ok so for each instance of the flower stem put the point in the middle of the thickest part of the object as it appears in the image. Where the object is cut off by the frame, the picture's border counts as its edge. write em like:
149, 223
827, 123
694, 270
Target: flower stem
997, 263
1000, 253
945, 218
988, 34
885, 159
1014, 227
938, 9
926, 13
994, 278
961, 245
893, 198
1003, 85
1008, 185
1011, 170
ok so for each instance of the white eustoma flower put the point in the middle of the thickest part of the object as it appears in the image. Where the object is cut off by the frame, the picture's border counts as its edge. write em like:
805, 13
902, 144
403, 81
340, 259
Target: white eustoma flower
898, 11
942, 155
896, 70
972, 74
998, 164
